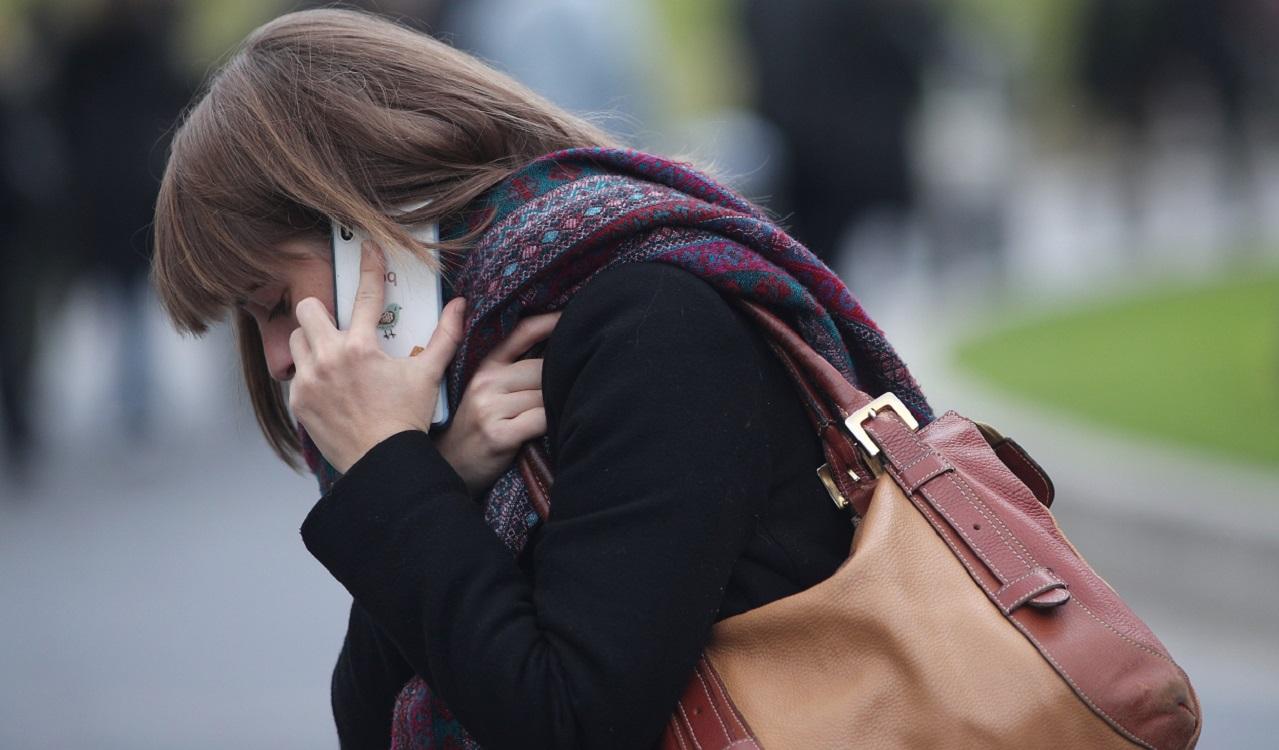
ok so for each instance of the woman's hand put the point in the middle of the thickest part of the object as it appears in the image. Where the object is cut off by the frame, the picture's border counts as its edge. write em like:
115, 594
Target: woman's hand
348, 393
501, 408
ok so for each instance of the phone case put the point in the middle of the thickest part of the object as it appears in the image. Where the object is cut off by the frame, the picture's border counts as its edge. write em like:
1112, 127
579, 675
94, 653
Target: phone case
414, 294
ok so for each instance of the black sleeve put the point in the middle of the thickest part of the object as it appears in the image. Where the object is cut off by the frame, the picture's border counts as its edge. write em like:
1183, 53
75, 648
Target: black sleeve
653, 392
366, 681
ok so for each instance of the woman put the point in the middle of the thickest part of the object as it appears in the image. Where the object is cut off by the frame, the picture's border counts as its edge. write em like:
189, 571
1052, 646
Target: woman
684, 463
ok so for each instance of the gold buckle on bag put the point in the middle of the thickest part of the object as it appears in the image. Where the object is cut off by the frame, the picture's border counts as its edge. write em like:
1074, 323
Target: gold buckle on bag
823, 473
870, 411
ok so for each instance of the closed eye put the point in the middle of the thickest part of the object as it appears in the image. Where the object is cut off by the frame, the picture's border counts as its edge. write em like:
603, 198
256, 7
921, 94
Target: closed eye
281, 308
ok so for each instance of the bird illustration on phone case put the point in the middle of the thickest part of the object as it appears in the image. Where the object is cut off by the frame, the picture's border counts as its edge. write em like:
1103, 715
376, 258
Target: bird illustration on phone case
386, 323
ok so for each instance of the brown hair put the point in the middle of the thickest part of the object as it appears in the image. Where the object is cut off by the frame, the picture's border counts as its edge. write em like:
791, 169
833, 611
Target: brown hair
330, 114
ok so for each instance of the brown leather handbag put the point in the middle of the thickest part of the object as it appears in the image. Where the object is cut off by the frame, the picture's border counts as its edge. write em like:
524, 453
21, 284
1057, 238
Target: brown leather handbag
963, 617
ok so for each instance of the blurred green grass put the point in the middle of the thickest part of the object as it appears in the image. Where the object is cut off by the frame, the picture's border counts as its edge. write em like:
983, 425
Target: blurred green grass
1195, 364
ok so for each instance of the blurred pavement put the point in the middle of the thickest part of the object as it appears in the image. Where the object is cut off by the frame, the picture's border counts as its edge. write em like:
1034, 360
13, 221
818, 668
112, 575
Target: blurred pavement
158, 595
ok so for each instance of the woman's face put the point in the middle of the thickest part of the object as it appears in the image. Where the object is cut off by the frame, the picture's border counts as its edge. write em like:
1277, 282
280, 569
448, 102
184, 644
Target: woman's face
272, 304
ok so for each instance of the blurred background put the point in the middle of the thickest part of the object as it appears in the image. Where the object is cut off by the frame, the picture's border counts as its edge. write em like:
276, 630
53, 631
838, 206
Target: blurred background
1065, 214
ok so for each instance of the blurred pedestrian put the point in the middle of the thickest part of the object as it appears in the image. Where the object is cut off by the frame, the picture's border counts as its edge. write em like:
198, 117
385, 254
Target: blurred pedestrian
118, 91
842, 80
1135, 50
1144, 63
16, 314
36, 257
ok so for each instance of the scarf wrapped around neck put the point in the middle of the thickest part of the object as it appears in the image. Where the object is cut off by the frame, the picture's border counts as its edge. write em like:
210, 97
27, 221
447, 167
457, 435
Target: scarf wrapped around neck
569, 215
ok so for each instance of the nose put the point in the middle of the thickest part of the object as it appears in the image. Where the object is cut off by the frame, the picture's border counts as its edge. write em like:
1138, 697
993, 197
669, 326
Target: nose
279, 360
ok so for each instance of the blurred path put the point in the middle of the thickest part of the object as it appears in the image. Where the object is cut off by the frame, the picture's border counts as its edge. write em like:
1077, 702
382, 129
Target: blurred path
160, 597
1191, 543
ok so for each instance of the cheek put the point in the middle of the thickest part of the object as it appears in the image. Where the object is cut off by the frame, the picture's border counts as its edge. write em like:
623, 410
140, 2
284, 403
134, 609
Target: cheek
317, 283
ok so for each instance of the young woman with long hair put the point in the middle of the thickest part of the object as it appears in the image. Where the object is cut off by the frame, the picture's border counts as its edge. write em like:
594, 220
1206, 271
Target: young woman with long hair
592, 314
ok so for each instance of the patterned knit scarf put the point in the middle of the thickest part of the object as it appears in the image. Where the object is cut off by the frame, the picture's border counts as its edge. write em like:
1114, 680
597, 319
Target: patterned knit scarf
569, 215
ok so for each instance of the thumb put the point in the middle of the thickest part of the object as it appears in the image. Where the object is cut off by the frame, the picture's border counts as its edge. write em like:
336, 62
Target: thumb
445, 340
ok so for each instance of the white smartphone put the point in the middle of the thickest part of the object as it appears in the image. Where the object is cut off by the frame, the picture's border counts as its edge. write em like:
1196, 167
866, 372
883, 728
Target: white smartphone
414, 294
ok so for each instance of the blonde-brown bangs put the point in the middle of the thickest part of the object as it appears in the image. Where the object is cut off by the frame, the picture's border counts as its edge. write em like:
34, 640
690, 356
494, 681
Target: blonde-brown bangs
200, 280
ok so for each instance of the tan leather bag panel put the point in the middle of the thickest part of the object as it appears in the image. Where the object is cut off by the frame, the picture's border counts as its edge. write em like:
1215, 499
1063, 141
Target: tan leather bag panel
904, 691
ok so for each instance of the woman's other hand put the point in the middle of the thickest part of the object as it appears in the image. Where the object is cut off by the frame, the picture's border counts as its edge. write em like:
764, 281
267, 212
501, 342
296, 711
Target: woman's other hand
501, 408
348, 393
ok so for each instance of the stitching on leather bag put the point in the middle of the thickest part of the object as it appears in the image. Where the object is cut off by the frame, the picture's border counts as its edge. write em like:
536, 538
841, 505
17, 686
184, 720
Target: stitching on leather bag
959, 529
1127, 638
1061, 671
1016, 604
537, 477
963, 560
748, 742
999, 522
692, 735
723, 692
928, 452
677, 729
933, 500
1026, 575
1020, 600
723, 727
888, 449
679, 735
937, 506
1000, 527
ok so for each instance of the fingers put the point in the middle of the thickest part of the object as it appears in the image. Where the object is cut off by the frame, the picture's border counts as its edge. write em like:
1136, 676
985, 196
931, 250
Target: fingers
527, 426
299, 349
527, 332
315, 321
523, 375
371, 291
514, 404
439, 351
